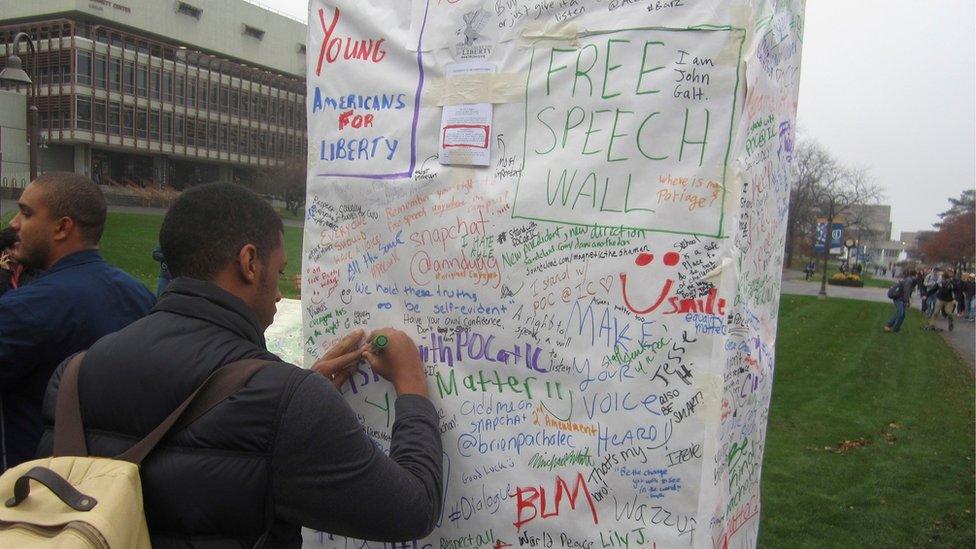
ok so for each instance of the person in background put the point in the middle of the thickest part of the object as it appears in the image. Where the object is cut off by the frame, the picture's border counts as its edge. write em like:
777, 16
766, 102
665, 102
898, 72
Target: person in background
164, 275
959, 294
945, 300
12, 274
901, 302
931, 288
809, 270
969, 290
78, 299
285, 451
922, 291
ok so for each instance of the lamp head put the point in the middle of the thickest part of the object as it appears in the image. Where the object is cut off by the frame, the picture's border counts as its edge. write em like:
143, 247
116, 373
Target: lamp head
14, 72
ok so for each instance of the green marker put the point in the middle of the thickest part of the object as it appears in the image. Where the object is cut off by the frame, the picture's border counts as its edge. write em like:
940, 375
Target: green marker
379, 343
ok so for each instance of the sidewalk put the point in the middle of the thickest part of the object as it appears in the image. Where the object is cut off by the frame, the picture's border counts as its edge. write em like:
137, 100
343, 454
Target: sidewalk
962, 339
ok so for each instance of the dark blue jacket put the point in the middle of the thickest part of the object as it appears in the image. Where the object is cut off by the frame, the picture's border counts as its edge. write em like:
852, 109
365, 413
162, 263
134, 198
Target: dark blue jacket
76, 302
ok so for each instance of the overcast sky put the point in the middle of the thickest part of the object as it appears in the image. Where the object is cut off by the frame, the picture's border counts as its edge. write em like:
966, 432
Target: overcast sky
887, 85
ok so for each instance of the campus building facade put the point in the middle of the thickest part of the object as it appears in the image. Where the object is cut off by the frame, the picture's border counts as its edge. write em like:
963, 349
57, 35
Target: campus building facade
159, 93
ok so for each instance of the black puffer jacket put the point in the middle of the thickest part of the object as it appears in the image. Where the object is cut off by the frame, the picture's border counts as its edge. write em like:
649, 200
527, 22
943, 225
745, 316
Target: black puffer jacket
285, 450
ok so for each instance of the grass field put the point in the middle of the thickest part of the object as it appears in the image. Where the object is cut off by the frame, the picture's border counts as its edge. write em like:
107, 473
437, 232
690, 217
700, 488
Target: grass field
904, 403
129, 239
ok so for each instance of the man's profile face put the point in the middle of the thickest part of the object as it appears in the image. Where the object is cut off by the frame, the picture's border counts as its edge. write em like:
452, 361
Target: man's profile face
268, 294
34, 227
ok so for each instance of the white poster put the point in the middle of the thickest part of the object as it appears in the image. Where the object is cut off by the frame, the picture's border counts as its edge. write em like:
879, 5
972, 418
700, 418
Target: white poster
596, 307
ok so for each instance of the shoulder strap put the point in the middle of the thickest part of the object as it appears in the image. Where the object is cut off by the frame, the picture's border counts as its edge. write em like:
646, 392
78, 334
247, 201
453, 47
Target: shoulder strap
69, 431
221, 384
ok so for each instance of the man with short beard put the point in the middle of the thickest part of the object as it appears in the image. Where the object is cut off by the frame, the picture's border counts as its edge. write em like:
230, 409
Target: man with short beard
78, 299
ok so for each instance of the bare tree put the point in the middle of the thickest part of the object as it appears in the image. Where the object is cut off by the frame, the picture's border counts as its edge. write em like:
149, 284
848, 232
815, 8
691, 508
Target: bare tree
840, 188
813, 162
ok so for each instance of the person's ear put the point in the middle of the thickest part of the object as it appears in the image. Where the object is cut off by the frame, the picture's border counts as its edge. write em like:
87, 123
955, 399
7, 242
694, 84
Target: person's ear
63, 228
248, 264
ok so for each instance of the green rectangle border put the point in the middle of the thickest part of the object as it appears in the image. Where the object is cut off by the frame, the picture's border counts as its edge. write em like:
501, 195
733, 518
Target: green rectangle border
728, 149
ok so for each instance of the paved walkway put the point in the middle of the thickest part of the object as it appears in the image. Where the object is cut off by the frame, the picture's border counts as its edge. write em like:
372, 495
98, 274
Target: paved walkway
962, 339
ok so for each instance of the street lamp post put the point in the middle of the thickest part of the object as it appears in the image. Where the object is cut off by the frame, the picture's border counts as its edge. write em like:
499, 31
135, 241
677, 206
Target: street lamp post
14, 72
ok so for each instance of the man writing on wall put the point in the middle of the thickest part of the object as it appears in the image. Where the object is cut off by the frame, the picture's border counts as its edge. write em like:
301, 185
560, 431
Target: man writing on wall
286, 450
77, 300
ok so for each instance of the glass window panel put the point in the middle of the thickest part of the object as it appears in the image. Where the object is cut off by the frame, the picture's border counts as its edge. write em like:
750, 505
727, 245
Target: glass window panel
129, 77
114, 115
100, 116
84, 68
115, 74
84, 113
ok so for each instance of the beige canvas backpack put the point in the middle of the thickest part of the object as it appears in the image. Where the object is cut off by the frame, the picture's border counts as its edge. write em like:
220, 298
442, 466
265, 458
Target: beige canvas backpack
74, 500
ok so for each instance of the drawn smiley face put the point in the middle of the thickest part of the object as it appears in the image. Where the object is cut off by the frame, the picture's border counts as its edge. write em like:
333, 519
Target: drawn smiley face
670, 260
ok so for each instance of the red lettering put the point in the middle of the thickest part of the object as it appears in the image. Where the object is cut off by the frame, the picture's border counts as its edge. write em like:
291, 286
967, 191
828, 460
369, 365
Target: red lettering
358, 121
363, 50
328, 38
526, 500
523, 503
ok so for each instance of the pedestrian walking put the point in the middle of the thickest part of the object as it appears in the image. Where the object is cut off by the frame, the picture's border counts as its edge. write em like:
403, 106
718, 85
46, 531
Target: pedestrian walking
968, 290
944, 301
900, 295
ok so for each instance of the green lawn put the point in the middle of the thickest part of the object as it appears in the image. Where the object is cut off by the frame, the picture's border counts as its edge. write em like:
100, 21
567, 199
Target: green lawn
840, 378
129, 239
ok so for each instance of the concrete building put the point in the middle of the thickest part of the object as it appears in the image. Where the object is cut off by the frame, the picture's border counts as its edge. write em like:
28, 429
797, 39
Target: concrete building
158, 93
14, 167
869, 222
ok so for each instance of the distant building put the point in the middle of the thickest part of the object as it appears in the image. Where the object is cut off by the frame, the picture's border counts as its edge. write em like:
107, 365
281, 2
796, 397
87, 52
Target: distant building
915, 242
159, 93
869, 222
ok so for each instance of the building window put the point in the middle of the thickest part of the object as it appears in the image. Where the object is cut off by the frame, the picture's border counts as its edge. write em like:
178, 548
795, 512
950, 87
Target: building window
128, 116
154, 84
301, 49
99, 72
253, 32
142, 84
187, 9
84, 68
115, 75
129, 77
141, 120
179, 130
100, 116
84, 113
167, 86
154, 125
114, 115
180, 89
167, 126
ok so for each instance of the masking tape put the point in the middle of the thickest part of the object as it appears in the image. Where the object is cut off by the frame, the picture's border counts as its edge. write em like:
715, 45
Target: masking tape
475, 88
712, 387
535, 33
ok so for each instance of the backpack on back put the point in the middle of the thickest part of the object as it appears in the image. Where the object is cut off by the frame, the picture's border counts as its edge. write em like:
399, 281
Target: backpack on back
74, 500
895, 292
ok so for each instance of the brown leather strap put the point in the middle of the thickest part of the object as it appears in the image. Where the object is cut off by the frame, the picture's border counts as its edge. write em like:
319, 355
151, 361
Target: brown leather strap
69, 432
221, 384
56, 484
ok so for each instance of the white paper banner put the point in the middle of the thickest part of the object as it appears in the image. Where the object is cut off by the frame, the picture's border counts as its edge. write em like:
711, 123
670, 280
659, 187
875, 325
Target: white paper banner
596, 309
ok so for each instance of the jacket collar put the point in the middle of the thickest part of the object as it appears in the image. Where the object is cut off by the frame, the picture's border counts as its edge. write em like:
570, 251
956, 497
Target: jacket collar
76, 259
208, 302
